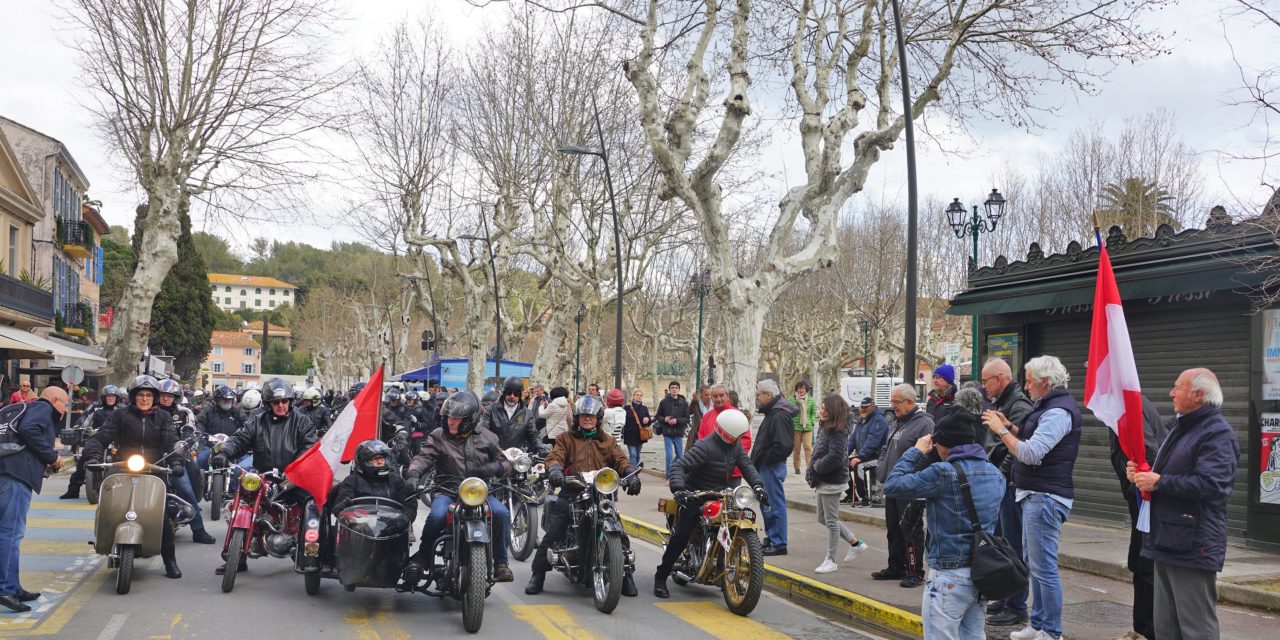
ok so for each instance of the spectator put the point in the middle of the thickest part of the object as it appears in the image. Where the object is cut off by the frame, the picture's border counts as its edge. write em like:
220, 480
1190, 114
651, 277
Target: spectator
910, 423
20, 474
615, 417
24, 393
803, 423
1143, 569
637, 416
593, 390
673, 421
1013, 405
1190, 482
864, 446
943, 392
537, 400
556, 414
700, 407
769, 457
951, 607
827, 474
1044, 451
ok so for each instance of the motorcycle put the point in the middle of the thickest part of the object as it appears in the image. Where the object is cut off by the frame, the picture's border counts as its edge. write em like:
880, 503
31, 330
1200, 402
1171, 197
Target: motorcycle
462, 568
214, 481
259, 524
366, 545
592, 552
522, 492
725, 549
129, 517
93, 476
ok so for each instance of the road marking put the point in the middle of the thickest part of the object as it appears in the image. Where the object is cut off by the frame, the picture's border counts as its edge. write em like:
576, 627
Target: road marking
173, 624
37, 547
59, 523
553, 621
114, 625
718, 622
62, 506
375, 625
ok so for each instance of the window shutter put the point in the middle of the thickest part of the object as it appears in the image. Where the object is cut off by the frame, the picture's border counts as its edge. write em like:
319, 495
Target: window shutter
97, 265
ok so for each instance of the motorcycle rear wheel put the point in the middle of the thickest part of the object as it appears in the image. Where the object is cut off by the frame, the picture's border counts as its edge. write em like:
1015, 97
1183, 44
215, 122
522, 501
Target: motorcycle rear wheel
744, 573
474, 587
124, 569
235, 551
311, 580
522, 530
606, 578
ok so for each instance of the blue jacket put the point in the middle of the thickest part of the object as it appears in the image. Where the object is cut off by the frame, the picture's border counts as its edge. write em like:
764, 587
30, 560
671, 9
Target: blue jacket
37, 429
949, 544
868, 435
1197, 464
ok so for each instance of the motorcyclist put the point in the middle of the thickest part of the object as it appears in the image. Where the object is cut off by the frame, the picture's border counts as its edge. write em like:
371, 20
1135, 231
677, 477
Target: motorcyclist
250, 406
373, 477
221, 417
314, 407
97, 416
394, 414
276, 437
488, 399
455, 451
199, 401
340, 402
586, 447
184, 424
147, 430
511, 421
707, 466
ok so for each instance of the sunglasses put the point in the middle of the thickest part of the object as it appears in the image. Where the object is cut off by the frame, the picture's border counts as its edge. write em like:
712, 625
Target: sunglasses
280, 402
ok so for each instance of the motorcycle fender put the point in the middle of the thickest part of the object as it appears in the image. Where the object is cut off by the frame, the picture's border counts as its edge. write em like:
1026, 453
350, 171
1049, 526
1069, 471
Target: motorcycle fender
243, 519
477, 531
608, 525
742, 524
129, 533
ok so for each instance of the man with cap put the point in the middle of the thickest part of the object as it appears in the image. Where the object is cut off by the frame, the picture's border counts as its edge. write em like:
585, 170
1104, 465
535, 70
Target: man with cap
951, 605
943, 392
869, 429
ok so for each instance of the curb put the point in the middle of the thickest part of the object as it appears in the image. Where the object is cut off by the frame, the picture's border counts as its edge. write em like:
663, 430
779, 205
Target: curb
813, 593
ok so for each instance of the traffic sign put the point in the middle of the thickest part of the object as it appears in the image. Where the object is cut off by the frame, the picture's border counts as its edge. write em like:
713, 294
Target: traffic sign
72, 374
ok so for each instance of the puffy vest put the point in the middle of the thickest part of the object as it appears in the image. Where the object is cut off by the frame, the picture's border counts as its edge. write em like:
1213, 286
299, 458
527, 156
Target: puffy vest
1053, 474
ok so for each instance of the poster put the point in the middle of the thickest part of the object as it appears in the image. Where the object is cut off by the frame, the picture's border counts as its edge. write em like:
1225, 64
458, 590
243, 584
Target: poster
1271, 354
1269, 479
1005, 345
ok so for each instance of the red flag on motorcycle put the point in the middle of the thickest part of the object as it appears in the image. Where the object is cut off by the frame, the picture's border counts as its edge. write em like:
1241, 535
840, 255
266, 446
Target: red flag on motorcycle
314, 470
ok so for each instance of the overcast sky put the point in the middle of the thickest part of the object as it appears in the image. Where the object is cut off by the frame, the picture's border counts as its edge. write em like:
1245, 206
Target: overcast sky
1197, 83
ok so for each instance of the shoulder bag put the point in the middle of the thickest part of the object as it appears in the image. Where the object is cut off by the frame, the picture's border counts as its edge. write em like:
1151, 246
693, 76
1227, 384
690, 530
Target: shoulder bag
996, 569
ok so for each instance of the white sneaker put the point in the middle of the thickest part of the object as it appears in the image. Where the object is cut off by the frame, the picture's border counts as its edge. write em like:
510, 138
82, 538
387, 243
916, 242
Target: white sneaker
1044, 635
827, 566
854, 550
1026, 633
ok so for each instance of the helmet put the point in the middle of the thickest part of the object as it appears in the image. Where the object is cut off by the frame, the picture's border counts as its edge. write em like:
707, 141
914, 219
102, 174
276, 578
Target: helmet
462, 405
111, 390
615, 398
312, 394
392, 395
489, 398
252, 400
223, 392
170, 387
367, 451
197, 394
441, 397
589, 405
141, 383
731, 424
355, 388
297, 393
277, 389
513, 385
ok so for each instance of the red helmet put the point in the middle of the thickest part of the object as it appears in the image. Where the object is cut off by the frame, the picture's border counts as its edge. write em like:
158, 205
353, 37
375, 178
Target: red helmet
614, 398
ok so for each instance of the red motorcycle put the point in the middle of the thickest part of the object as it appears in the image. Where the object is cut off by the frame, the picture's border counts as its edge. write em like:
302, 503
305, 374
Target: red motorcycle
259, 524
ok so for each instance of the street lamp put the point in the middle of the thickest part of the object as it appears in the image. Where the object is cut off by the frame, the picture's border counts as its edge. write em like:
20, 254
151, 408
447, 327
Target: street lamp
497, 299
577, 349
973, 226
700, 281
603, 154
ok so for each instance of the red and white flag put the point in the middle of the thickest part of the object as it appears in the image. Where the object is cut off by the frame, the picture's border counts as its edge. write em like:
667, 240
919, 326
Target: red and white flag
1111, 388
314, 470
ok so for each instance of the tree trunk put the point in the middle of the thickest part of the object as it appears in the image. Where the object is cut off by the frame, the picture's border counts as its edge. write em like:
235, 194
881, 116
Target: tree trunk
548, 364
477, 331
741, 326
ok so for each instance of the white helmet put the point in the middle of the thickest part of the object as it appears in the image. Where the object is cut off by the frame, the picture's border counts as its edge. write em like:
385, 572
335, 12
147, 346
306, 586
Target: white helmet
312, 394
252, 400
731, 424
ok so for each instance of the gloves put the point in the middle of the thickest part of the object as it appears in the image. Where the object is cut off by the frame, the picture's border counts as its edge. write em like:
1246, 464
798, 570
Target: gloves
219, 460
632, 485
556, 477
178, 470
682, 496
490, 469
761, 496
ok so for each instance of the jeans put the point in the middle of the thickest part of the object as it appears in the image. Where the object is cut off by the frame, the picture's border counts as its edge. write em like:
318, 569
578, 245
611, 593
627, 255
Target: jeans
182, 488
15, 501
435, 526
633, 451
775, 515
1042, 519
1009, 527
675, 449
951, 607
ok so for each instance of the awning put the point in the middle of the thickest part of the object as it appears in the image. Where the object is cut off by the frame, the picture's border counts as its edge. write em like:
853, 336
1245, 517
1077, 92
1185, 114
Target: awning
60, 352
20, 349
417, 375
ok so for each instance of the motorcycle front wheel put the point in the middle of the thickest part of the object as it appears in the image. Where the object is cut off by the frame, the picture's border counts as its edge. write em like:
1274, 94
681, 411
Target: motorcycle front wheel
606, 579
235, 550
219, 484
92, 479
522, 530
743, 573
474, 587
124, 569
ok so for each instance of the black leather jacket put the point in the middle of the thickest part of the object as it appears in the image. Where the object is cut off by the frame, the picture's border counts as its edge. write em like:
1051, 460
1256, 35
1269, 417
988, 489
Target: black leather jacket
214, 420
150, 434
319, 415
518, 430
275, 442
708, 466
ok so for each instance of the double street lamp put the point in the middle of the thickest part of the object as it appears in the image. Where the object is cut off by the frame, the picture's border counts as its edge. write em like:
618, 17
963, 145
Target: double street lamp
497, 299
700, 281
966, 225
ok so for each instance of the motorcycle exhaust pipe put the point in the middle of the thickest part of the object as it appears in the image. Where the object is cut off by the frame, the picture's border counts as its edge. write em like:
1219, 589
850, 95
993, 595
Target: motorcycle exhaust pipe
680, 575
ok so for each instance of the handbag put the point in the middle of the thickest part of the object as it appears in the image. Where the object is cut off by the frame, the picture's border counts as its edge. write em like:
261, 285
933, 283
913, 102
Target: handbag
996, 569
646, 432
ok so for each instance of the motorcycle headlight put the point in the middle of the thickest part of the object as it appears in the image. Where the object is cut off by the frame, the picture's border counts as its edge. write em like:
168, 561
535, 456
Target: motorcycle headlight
136, 463
606, 480
523, 464
473, 492
250, 481
743, 496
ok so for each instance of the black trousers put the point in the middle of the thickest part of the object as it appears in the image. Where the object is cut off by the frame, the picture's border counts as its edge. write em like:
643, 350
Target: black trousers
859, 482
77, 476
1144, 581
685, 524
555, 525
898, 540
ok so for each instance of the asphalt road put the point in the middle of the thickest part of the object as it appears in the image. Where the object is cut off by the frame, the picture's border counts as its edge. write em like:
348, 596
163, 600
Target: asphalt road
268, 601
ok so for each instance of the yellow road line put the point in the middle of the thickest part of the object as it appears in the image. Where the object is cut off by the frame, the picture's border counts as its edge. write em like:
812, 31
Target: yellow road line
65, 610
718, 622
173, 624
375, 625
63, 506
553, 621
59, 523
54, 548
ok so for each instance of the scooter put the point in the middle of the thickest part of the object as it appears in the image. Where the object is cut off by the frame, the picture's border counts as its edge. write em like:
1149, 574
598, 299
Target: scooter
130, 516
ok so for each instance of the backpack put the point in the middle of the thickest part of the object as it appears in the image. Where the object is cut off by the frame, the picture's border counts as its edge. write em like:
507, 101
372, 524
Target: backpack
10, 441
996, 569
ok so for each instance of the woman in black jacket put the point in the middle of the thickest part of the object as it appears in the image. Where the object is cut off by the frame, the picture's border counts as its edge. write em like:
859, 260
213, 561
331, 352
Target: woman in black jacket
637, 416
828, 475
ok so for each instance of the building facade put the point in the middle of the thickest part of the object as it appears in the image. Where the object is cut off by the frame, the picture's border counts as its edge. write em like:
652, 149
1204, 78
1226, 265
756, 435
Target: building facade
235, 360
257, 293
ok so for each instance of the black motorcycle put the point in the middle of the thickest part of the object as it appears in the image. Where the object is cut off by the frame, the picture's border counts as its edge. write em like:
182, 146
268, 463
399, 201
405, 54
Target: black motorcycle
462, 568
214, 483
522, 492
592, 552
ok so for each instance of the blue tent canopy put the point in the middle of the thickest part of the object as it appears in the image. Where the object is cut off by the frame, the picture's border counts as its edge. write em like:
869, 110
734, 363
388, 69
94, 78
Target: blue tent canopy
452, 372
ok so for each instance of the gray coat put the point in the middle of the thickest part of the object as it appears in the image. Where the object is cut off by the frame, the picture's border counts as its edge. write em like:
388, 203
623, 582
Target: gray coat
903, 433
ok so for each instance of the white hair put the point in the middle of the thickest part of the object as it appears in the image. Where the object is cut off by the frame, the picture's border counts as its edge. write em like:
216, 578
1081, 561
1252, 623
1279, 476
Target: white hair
906, 391
970, 399
1207, 383
1049, 369
718, 385
768, 386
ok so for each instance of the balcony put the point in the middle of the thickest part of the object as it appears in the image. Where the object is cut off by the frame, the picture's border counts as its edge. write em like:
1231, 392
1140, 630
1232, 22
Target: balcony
76, 238
27, 299
78, 319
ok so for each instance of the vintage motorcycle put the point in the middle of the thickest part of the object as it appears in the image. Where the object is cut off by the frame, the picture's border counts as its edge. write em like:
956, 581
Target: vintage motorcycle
462, 568
259, 524
366, 545
592, 552
725, 548
213, 485
522, 492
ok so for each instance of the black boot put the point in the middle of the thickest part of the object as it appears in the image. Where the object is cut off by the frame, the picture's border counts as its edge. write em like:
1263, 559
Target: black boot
535, 583
201, 536
629, 585
73, 493
660, 587
171, 569
244, 566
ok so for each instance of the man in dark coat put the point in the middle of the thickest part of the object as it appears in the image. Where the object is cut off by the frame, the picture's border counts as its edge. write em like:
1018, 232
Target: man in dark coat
906, 556
1142, 569
865, 442
673, 421
773, 445
1188, 486
20, 474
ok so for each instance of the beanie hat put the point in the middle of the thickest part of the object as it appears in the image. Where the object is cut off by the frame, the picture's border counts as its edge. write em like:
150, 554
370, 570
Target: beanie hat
946, 372
957, 428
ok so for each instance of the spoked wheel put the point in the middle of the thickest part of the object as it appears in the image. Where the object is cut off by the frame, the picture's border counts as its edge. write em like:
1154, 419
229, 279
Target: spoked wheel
473, 587
522, 530
124, 570
743, 573
606, 578
235, 552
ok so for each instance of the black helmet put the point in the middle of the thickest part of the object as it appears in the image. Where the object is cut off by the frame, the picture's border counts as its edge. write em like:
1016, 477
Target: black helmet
367, 451
462, 404
355, 388
144, 382
170, 387
111, 390
392, 394
276, 389
513, 385
489, 397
